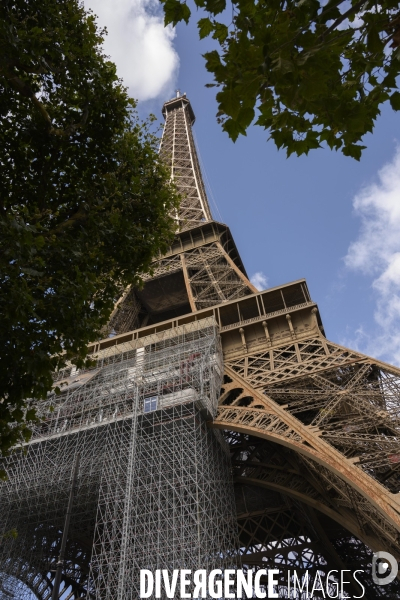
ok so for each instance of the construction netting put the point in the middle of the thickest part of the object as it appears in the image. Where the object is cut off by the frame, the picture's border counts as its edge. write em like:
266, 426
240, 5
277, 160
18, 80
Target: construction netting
154, 487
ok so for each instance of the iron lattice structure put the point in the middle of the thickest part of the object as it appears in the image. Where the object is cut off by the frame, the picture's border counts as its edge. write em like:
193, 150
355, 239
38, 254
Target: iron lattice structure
312, 430
202, 267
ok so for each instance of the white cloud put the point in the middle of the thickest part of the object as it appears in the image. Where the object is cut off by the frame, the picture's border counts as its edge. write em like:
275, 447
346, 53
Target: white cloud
376, 253
139, 44
259, 280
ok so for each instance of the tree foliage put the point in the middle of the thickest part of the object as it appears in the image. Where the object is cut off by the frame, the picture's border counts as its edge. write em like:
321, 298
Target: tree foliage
84, 202
315, 70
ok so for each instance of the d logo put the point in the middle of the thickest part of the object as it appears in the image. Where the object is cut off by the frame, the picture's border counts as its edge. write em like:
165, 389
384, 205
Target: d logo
385, 564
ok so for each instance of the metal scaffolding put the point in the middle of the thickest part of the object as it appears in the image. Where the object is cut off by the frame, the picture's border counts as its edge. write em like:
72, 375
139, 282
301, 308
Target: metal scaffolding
154, 488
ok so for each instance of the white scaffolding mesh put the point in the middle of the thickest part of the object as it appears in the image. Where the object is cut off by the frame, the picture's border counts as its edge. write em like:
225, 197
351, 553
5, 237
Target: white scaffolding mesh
154, 488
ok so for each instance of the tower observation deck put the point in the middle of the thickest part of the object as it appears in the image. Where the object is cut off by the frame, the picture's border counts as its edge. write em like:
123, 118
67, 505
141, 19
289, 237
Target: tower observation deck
217, 428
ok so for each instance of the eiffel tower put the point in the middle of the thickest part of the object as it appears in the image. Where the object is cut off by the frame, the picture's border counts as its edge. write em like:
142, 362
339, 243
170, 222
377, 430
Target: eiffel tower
217, 427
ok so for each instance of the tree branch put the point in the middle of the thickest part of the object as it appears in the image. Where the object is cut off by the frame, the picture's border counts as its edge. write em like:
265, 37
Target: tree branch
80, 215
343, 17
71, 129
24, 89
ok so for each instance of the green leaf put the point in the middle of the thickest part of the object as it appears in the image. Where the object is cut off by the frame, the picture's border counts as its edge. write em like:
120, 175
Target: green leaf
353, 150
356, 124
283, 65
395, 101
205, 27
213, 61
175, 11
33, 272
215, 6
229, 102
374, 42
245, 117
12, 533
30, 414
233, 129
221, 32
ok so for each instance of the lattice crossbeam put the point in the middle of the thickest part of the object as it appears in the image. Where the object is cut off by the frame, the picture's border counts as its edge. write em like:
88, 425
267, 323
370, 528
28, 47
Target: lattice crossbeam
330, 401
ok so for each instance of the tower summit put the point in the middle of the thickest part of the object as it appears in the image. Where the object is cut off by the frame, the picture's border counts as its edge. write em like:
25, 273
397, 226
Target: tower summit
179, 154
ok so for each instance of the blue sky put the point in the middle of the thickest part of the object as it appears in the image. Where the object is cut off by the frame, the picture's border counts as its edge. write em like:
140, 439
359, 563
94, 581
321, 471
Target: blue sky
324, 217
